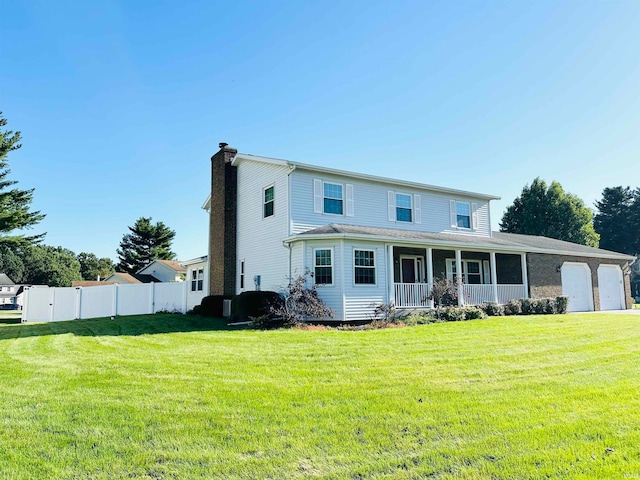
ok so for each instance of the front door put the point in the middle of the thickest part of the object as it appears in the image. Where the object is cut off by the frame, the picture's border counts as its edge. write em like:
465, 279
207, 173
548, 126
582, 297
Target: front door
412, 270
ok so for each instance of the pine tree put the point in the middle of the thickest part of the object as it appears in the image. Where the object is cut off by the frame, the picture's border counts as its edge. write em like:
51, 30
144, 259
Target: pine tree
14, 203
145, 243
617, 220
550, 212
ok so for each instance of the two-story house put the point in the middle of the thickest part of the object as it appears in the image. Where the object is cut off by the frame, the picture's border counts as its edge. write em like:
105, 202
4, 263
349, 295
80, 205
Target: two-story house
370, 240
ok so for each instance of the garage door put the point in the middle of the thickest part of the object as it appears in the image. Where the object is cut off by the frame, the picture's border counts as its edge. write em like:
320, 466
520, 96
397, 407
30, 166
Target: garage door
611, 287
576, 284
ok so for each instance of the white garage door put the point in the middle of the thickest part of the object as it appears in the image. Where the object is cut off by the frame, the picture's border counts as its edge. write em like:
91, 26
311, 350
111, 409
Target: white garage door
611, 287
576, 284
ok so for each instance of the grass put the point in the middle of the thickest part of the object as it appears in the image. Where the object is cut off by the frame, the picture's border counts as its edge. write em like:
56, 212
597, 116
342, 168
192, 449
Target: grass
10, 316
169, 396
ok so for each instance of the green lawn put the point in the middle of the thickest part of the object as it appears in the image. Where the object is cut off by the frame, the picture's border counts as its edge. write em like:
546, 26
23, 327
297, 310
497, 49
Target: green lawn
170, 396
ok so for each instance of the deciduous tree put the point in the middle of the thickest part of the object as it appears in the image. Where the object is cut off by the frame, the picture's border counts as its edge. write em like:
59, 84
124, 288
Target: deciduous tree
92, 267
550, 212
145, 243
53, 266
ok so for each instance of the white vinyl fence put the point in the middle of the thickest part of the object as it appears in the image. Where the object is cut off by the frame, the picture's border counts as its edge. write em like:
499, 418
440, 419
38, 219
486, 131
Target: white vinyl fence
52, 304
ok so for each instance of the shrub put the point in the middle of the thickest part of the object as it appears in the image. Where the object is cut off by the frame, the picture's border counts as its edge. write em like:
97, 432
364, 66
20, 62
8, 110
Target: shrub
514, 307
562, 303
211, 306
297, 303
452, 314
473, 313
384, 312
492, 309
253, 304
525, 306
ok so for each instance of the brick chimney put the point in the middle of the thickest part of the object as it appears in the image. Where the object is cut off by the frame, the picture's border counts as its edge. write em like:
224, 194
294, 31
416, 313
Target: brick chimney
222, 222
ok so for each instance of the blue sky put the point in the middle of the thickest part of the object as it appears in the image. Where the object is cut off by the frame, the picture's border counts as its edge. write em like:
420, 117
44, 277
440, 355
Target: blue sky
121, 104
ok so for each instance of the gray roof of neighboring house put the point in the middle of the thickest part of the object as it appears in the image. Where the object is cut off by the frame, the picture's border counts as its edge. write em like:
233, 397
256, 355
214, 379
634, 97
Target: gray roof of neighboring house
5, 280
498, 241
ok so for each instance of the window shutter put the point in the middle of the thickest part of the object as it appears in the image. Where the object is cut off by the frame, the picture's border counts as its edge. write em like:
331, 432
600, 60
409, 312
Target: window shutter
392, 206
317, 196
417, 211
487, 272
349, 199
454, 215
449, 266
474, 216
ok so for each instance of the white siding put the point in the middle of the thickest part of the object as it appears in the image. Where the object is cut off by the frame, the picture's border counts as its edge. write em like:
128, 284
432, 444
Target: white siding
194, 297
259, 240
360, 300
371, 206
330, 294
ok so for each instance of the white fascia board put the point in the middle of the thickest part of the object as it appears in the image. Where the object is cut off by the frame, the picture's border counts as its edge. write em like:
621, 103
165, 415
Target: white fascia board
476, 247
362, 176
193, 261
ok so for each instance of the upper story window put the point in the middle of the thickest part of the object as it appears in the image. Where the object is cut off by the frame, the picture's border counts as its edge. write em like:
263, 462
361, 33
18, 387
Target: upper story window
268, 201
403, 208
364, 267
333, 198
463, 215
323, 271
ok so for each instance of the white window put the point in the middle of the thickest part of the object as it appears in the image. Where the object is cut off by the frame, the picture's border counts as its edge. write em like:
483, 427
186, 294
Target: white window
403, 207
197, 280
323, 263
471, 271
364, 267
332, 199
463, 215
268, 198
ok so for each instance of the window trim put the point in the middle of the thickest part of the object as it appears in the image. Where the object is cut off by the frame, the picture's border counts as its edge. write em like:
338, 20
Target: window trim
342, 200
315, 265
272, 201
411, 209
451, 264
372, 267
242, 274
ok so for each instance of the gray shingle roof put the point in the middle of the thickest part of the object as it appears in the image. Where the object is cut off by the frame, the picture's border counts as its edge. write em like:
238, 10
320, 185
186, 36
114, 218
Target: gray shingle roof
498, 240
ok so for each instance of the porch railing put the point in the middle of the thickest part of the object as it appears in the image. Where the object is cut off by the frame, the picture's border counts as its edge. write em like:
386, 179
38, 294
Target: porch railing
415, 295
412, 294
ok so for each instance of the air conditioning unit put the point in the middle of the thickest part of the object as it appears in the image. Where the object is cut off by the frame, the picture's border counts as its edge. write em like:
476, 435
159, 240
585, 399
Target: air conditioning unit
226, 308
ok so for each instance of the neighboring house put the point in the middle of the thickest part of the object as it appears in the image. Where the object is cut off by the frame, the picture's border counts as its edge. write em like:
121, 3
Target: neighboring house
10, 293
128, 278
165, 270
197, 280
370, 240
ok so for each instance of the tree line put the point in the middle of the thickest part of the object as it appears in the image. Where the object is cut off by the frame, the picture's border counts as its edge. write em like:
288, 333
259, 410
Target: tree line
27, 261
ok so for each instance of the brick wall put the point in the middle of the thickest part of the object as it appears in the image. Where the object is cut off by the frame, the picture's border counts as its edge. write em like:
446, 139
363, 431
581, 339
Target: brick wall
222, 223
545, 279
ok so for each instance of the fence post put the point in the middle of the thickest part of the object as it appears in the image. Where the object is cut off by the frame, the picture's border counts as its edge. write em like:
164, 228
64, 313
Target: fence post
115, 300
25, 306
152, 297
78, 302
185, 292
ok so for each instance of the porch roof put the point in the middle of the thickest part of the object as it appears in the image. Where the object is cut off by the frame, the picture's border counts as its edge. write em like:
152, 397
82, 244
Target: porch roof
498, 242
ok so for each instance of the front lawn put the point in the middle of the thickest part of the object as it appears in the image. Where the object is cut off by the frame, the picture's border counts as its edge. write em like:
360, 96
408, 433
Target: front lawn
170, 396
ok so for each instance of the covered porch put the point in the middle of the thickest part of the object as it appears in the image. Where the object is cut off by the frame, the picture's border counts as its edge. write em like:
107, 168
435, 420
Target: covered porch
478, 276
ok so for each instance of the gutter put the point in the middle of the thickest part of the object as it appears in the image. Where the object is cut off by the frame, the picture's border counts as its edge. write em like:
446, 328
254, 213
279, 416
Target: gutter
441, 243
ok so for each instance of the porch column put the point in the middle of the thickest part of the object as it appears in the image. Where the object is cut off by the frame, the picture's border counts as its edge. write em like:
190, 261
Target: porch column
390, 280
525, 275
430, 273
458, 277
494, 275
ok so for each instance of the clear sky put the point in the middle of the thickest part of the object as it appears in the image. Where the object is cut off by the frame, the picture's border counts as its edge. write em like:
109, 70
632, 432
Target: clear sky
122, 103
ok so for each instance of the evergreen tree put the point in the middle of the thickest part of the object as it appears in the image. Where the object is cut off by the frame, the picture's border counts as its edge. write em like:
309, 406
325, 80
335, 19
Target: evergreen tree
11, 264
550, 212
145, 243
617, 220
92, 267
14, 203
